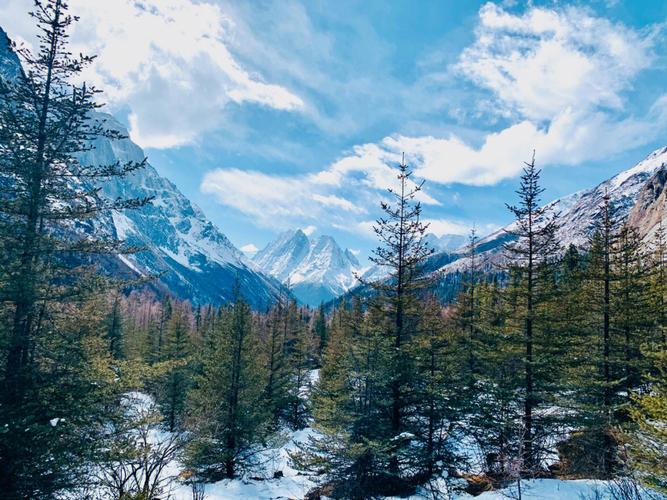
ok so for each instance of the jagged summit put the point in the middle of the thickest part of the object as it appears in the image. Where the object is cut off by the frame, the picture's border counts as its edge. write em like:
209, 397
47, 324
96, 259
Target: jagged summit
316, 270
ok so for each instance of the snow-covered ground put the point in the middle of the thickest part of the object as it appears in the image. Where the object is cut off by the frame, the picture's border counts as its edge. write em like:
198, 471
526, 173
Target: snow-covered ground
295, 485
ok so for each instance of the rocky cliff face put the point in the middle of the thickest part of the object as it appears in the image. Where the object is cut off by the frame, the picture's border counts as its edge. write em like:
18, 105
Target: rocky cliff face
650, 211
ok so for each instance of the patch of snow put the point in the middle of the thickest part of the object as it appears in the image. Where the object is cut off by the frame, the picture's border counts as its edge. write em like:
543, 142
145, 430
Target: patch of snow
125, 260
124, 226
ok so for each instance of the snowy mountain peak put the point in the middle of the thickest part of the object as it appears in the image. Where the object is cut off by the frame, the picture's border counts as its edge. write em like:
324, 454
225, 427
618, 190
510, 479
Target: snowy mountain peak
317, 270
194, 258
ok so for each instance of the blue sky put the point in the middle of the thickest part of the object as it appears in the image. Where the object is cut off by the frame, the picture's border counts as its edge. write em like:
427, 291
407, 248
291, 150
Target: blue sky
285, 114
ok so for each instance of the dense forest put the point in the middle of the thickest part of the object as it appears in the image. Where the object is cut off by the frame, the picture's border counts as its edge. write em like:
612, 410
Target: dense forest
553, 365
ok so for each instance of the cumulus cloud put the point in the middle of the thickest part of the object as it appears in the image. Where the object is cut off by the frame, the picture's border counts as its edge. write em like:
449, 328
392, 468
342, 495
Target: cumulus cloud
166, 61
559, 77
545, 60
350, 187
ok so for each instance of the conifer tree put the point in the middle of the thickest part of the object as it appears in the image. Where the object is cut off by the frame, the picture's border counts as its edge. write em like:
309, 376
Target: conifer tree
176, 354
350, 403
439, 393
531, 254
402, 252
597, 395
648, 443
46, 123
228, 418
321, 332
277, 380
299, 362
631, 303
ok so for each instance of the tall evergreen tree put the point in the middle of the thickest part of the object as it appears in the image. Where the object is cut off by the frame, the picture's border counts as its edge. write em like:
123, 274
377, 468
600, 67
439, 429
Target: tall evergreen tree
228, 418
176, 353
531, 253
46, 123
402, 253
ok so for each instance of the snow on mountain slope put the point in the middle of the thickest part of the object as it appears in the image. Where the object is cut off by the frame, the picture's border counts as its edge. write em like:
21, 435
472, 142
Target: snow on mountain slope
579, 212
192, 257
317, 271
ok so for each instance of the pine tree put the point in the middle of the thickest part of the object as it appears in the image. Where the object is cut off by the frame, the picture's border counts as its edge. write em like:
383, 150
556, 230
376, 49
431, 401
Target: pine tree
228, 418
350, 403
531, 255
273, 340
439, 393
631, 303
46, 123
598, 382
176, 354
648, 443
299, 363
321, 332
402, 252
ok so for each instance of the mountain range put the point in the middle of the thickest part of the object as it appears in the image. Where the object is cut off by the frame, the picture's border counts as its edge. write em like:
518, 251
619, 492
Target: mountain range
194, 260
638, 195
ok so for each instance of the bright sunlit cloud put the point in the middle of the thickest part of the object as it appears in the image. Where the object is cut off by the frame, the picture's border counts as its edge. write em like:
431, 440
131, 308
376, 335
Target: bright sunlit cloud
165, 61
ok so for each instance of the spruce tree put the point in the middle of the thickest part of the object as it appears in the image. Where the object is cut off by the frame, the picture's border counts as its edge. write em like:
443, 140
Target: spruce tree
228, 418
46, 123
402, 252
176, 354
597, 396
531, 255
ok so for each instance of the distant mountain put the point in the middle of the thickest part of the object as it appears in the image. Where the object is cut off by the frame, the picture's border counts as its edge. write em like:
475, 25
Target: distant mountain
636, 193
193, 258
446, 242
316, 271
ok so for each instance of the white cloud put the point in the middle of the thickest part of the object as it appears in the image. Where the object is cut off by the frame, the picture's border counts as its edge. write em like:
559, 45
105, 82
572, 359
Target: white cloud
250, 248
440, 227
308, 230
165, 60
547, 60
351, 186
560, 77
334, 201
